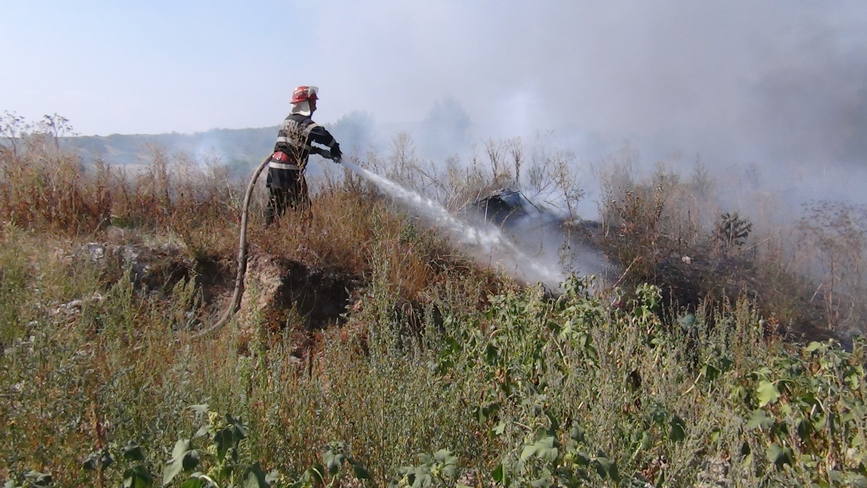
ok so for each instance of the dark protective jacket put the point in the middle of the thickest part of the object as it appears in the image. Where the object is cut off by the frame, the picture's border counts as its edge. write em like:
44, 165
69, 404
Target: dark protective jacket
293, 147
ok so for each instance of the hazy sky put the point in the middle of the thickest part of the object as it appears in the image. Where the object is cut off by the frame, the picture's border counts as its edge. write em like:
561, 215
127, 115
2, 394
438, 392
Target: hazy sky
746, 78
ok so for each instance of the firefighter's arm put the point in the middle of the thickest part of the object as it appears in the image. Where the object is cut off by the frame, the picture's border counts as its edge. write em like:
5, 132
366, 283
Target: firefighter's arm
320, 151
320, 135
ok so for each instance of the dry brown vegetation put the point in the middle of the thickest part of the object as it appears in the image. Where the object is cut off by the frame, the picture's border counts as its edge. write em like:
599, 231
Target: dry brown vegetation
806, 276
666, 230
350, 230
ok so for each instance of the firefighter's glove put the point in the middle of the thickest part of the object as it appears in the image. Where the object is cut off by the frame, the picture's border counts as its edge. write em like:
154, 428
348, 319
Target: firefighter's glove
336, 155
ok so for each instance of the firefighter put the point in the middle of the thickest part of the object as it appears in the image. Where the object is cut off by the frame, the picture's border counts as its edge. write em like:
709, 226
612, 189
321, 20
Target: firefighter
295, 139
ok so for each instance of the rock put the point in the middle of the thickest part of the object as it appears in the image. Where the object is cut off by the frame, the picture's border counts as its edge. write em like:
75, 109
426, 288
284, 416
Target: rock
72, 308
68, 309
95, 251
150, 267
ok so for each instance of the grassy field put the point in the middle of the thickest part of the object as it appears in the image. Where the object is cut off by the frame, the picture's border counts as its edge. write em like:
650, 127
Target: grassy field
437, 372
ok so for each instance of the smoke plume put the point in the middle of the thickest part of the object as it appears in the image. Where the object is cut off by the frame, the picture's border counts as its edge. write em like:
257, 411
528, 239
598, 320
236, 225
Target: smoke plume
775, 83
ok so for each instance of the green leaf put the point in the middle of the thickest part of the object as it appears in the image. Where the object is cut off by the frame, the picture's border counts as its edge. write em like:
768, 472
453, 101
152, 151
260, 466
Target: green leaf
715, 435
91, 462
499, 474
543, 449
225, 440
544, 482
855, 479
853, 377
499, 429
191, 460
820, 421
687, 321
333, 461
137, 477
254, 478
643, 443
194, 483
527, 452
181, 448
176, 464
805, 429
487, 411
710, 372
677, 429
659, 415
206, 481
313, 476
606, 468
767, 393
445, 456
576, 433
97, 460
133, 452
420, 478
229, 437
779, 455
200, 409
760, 419
360, 471
491, 354
272, 477
203, 431
36, 478
239, 428
425, 458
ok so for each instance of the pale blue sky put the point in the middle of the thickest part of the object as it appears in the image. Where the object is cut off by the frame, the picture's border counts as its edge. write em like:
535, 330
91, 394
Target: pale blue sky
739, 78
152, 65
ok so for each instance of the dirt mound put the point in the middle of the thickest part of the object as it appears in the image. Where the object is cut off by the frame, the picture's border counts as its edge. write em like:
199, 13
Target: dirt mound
278, 290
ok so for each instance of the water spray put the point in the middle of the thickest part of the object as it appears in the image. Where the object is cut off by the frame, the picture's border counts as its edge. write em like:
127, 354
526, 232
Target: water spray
483, 241
480, 240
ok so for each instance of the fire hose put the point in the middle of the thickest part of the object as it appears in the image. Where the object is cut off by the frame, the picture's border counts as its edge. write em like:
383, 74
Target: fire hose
238, 292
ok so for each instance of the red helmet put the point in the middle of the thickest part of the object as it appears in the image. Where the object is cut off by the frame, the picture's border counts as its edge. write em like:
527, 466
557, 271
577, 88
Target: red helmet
304, 93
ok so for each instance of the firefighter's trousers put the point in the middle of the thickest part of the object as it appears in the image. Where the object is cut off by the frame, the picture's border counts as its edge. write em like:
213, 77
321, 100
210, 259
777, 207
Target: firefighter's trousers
286, 189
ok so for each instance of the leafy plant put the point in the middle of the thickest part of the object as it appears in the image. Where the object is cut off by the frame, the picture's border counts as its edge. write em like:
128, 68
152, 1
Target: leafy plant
433, 470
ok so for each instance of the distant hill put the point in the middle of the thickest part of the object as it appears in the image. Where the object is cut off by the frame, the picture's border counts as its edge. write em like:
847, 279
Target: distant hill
228, 146
438, 136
